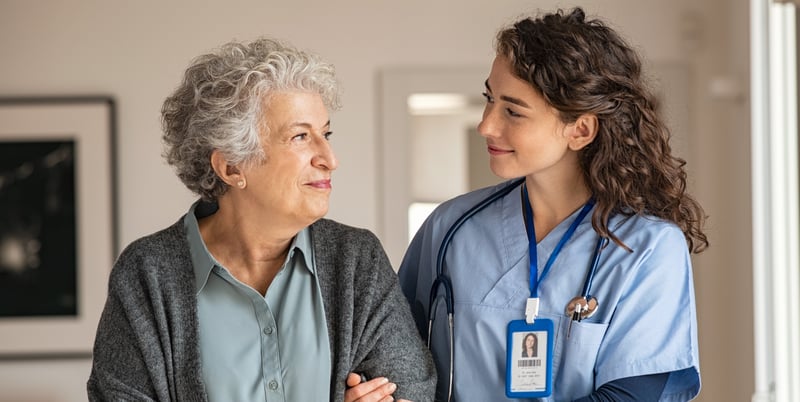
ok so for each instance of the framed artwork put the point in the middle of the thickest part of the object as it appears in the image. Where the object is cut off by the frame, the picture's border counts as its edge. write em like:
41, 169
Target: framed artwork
58, 231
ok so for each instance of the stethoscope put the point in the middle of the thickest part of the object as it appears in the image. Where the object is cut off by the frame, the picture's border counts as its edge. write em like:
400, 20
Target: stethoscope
578, 308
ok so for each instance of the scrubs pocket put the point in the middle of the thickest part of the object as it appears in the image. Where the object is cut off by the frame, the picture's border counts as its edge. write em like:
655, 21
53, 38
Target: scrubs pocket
576, 357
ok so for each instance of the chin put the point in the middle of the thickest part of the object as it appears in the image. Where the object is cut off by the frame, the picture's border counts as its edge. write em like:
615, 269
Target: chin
317, 214
505, 174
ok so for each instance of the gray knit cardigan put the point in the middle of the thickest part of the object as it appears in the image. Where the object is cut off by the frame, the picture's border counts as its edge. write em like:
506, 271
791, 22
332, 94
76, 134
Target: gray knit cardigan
147, 347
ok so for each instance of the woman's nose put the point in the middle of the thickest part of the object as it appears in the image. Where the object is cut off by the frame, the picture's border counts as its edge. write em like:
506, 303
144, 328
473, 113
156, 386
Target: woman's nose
486, 127
325, 157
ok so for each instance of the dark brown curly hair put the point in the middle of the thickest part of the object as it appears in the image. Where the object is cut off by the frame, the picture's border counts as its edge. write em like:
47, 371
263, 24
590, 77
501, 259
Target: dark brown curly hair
582, 66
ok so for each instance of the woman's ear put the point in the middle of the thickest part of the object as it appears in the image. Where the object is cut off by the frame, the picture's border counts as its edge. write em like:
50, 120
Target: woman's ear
230, 174
583, 132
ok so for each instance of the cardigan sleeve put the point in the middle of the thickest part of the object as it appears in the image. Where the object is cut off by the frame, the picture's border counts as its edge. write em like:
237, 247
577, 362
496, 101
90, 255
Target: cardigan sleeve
390, 343
370, 321
119, 370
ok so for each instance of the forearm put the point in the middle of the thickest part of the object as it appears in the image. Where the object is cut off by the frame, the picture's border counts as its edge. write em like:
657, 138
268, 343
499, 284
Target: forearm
631, 389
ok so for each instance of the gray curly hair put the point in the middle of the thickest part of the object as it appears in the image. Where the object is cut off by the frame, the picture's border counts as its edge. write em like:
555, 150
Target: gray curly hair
218, 106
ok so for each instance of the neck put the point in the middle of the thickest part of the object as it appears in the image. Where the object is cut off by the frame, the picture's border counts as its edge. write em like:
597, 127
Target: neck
252, 250
551, 203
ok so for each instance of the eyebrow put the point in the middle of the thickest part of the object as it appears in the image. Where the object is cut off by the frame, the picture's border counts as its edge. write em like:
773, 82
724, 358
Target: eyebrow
507, 98
309, 125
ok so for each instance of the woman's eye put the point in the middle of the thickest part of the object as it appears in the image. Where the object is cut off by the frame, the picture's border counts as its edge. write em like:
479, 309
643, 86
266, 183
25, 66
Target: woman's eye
328, 135
299, 137
513, 113
488, 97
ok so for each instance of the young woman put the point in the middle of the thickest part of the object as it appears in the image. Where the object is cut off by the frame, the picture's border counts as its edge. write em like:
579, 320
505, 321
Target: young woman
588, 246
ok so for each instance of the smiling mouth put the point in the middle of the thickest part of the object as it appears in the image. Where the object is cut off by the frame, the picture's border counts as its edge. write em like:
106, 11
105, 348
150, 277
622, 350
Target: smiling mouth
321, 184
497, 151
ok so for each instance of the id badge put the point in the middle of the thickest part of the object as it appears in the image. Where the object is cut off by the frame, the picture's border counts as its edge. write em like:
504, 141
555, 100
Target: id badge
529, 359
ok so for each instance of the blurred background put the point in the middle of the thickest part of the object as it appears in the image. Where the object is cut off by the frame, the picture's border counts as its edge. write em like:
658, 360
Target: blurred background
410, 72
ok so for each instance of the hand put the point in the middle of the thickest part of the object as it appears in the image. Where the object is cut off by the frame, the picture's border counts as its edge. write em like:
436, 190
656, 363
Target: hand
375, 390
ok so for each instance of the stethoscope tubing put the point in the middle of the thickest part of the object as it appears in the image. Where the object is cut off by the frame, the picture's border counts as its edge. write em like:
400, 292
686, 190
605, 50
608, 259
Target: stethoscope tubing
587, 283
443, 279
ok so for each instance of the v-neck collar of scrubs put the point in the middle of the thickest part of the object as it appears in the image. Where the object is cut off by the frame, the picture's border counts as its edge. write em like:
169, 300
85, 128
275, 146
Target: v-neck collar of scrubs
515, 237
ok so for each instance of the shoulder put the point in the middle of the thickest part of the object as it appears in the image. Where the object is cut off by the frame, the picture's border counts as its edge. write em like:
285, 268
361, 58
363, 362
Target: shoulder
657, 246
156, 245
646, 231
342, 245
348, 258
473, 197
162, 248
450, 210
337, 234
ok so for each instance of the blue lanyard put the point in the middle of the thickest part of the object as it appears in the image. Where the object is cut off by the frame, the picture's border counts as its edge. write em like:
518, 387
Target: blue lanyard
534, 261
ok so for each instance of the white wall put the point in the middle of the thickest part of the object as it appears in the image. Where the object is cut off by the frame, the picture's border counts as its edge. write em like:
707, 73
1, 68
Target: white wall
136, 52
439, 143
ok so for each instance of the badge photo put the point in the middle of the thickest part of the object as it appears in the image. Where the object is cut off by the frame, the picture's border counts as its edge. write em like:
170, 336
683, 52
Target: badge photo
529, 359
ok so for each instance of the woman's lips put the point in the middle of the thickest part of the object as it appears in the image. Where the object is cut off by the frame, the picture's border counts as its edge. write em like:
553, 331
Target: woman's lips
322, 184
497, 151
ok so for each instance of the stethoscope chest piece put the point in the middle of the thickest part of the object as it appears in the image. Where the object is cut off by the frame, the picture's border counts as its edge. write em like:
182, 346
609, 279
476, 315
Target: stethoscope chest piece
581, 307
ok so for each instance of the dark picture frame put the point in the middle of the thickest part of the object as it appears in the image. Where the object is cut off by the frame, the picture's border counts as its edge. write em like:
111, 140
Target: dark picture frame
58, 222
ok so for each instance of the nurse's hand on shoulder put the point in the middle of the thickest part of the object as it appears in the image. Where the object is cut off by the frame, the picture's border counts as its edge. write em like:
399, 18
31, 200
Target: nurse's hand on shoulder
375, 390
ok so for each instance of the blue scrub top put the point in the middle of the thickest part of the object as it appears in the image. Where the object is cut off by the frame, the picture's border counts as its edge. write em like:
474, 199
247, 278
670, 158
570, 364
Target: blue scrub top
645, 322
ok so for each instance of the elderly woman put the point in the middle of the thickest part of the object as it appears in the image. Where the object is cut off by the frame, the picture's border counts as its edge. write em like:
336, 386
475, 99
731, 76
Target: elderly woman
251, 296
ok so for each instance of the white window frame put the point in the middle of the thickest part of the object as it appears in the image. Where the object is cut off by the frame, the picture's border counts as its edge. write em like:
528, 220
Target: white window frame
776, 238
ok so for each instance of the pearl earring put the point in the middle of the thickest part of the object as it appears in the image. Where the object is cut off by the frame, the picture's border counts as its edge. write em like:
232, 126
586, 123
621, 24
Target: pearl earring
241, 183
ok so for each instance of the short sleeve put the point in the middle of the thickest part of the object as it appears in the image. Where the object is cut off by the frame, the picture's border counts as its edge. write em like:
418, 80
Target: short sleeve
654, 325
